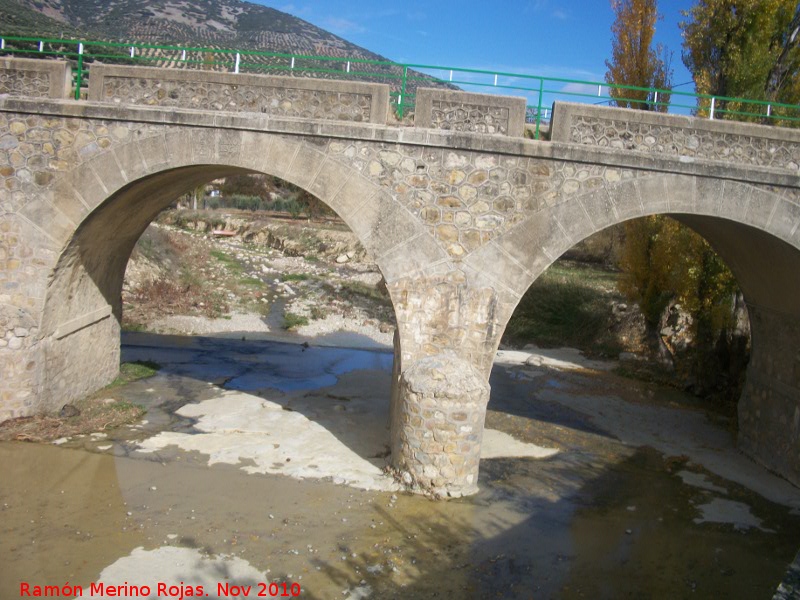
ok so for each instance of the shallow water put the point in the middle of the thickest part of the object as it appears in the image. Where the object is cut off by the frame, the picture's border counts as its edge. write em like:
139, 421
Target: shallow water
602, 518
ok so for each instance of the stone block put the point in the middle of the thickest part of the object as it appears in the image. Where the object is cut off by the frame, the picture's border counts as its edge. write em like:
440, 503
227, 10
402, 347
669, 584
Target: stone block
526, 240
110, 173
33, 78
735, 200
411, 257
599, 206
785, 219
306, 165
680, 193
64, 198
500, 266
240, 92
281, 156
627, 201
131, 160
573, 220
760, 208
467, 112
40, 212
653, 194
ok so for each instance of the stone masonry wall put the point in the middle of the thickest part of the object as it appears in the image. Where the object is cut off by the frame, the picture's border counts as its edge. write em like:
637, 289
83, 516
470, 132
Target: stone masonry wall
468, 112
769, 411
665, 135
35, 78
280, 96
438, 428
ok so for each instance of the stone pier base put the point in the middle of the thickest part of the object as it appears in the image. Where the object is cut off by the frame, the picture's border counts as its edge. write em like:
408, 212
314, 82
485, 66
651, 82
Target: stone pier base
438, 425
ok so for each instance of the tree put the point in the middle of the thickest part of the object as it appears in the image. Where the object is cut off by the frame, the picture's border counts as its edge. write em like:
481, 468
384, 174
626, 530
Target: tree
197, 194
665, 264
634, 61
663, 261
247, 185
743, 49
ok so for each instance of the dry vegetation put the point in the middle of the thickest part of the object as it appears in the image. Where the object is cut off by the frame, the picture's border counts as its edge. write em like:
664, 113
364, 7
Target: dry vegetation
94, 414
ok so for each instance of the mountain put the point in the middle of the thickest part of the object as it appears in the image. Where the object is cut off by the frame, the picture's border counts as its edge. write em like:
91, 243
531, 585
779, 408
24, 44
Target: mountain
230, 24
205, 23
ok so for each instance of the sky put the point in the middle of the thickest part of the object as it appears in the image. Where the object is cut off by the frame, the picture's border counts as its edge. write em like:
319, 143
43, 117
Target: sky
569, 39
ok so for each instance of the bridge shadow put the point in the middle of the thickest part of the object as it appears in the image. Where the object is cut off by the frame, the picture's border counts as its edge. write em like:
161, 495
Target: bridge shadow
331, 395
623, 530
562, 527
310, 395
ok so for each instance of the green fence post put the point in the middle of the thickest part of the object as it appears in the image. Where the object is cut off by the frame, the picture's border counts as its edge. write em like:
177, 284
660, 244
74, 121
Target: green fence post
539, 109
402, 97
79, 77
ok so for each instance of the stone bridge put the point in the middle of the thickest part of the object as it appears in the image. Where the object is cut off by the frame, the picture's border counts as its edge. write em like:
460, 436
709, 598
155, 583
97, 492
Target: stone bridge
461, 212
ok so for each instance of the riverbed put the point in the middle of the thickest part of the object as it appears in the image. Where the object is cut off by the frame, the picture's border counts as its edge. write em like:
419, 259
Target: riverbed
262, 461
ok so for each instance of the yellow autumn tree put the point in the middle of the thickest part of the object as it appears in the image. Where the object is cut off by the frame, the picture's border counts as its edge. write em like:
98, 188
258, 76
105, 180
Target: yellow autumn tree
662, 261
634, 61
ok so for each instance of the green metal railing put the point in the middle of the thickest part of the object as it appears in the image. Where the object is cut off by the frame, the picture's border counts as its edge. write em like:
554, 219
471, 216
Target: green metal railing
403, 78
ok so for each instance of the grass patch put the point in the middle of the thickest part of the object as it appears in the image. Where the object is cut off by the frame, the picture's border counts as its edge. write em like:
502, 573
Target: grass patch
230, 262
318, 313
567, 306
134, 371
252, 282
295, 277
292, 320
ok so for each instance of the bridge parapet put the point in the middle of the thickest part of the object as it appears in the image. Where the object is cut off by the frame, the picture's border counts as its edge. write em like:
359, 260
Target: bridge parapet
688, 138
236, 92
32, 78
468, 112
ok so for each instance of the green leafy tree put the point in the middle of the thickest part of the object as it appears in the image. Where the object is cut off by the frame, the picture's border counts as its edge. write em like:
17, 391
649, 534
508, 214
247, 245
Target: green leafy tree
745, 49
246, 185
634, 61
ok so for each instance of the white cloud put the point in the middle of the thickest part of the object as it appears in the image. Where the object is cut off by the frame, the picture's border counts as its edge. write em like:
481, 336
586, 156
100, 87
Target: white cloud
341, 26
294, 9
584, 88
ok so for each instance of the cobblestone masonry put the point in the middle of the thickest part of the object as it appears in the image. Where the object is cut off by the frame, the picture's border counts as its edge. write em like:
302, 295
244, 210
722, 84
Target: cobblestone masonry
440, 425
283, 96
656, 134
460, 225
467, 112
35, 78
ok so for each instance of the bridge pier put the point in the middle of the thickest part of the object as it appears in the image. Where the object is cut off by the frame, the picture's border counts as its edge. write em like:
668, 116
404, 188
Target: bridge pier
769, 410
448, 326
438, 425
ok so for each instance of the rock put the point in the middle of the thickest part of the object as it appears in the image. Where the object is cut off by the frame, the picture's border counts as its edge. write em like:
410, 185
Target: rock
342, 258
628, 357
68, 410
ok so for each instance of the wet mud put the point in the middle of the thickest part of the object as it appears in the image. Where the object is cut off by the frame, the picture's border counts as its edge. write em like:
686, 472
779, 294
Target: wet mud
636, 502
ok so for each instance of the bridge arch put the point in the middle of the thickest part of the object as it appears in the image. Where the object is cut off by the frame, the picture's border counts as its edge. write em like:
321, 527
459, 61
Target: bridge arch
753, 229
115, 195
